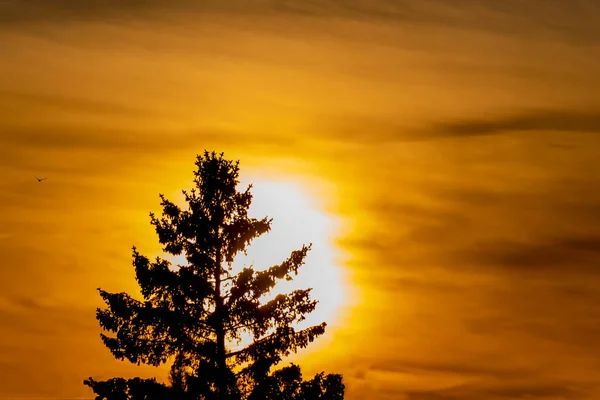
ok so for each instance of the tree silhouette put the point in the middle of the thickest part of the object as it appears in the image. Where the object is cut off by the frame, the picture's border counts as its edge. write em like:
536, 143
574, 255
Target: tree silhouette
191, 313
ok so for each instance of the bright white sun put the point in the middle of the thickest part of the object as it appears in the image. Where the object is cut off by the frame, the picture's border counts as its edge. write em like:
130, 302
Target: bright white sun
298, 219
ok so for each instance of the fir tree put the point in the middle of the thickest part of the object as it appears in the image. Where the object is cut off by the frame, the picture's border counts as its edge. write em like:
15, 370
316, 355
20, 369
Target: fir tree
191, 313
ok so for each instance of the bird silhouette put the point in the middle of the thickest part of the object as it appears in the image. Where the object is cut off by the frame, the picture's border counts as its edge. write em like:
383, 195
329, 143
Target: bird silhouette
39, 179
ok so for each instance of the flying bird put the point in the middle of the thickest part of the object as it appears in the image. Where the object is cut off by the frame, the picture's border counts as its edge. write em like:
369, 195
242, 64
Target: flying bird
39, 179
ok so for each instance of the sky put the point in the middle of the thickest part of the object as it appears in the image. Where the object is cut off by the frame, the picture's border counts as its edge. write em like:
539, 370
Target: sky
457, 140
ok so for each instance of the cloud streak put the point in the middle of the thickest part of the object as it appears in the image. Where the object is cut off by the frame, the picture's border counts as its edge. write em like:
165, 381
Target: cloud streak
535, 121
501, 391
54, 102
575, 20
569, 253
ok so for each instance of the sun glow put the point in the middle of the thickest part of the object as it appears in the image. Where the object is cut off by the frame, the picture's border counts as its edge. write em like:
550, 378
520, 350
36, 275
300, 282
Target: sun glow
298, 219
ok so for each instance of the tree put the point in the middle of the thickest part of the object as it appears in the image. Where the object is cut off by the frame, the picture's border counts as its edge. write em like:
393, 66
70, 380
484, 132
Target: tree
191, 313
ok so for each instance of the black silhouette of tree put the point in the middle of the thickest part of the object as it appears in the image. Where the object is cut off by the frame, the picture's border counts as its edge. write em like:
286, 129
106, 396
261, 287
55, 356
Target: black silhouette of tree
191, 313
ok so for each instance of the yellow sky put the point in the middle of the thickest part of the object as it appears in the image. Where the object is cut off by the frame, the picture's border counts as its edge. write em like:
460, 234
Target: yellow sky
457, 140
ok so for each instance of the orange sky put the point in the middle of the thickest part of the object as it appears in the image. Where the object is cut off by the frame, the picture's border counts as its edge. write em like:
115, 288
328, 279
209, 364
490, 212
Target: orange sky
458, 140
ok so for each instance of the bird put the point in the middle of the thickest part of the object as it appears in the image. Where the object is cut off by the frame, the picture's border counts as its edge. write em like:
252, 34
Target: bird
39, 179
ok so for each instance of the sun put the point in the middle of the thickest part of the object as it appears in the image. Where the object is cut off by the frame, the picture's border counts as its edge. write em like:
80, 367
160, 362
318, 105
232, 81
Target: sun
297, 219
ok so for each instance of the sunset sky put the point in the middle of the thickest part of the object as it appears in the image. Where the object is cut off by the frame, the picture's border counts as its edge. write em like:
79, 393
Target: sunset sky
450, 149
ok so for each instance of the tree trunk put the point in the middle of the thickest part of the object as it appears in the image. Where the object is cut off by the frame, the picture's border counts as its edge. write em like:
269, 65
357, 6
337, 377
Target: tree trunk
220, 333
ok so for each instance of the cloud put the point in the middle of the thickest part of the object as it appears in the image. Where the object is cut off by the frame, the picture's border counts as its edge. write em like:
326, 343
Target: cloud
38, 121
532, 121
28, 315
405, 227
356, 130
461, 379
562, 255
54, 102
26, 9
16, 11
466, 370
502, 391
573, 22
111, 126
72, 138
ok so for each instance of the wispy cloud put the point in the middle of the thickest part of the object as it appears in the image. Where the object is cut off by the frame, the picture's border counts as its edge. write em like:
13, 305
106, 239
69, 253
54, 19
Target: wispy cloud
572, 254
501, 390
522, 121
57, 102
574, 21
